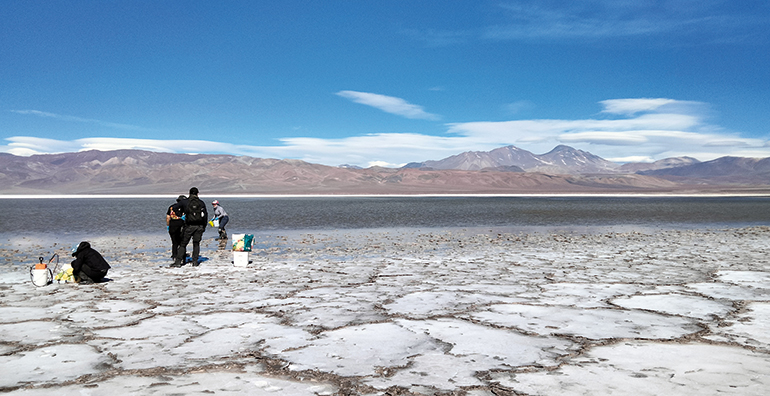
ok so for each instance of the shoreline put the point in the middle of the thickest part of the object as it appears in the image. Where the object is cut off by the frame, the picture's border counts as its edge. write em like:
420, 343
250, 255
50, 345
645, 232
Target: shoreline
523, 195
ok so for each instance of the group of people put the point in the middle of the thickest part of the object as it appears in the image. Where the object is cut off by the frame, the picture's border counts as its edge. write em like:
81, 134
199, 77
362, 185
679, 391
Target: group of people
186, 220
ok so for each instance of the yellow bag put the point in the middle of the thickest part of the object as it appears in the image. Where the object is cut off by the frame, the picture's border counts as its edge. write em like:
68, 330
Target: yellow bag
65, 275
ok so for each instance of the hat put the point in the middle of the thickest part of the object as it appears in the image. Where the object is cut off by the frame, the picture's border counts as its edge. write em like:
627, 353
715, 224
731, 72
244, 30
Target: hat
180, 198
215, 202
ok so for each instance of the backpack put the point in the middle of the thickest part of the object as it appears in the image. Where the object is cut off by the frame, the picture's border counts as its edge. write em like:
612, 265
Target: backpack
194, 212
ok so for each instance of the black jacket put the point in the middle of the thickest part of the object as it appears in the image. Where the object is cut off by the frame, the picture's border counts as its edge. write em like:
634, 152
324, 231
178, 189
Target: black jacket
89, 261
188, 221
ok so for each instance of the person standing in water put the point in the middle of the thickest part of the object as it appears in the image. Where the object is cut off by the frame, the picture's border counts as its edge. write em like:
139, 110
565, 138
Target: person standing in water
221, 214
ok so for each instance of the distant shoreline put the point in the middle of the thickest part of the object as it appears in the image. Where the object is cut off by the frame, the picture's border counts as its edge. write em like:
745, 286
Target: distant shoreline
523, 195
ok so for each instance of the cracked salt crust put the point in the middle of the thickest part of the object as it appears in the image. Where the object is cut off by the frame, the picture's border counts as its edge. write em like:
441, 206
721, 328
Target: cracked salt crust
368, 312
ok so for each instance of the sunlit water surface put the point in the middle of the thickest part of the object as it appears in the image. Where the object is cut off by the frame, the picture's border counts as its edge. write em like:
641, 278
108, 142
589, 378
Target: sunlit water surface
508, 214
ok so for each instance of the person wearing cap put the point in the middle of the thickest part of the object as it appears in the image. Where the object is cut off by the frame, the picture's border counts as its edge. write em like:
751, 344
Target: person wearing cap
221, 215
195, 215
175, 224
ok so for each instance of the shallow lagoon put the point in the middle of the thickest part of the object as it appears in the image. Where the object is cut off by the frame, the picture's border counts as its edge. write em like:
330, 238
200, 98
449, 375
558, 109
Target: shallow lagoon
147, 215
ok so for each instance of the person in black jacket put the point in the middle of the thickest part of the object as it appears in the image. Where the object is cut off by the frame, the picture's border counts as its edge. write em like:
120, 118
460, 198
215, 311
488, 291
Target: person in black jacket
175, 225
89, 266
194, 225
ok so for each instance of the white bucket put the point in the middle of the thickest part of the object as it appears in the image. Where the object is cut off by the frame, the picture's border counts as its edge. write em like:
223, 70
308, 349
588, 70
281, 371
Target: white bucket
240, 259
41, 277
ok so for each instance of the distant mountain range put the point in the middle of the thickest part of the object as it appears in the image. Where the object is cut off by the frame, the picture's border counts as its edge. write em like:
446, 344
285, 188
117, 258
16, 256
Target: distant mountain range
506, 170
567, 160
725, 170
560, 160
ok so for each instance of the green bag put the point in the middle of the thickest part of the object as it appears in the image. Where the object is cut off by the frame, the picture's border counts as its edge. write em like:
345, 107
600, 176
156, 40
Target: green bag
242, 242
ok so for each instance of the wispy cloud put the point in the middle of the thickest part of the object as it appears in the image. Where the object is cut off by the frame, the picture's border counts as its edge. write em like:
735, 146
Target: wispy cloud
389, 104
633, 106
69, 118
644, 129
438, 38
588, 19
697, 21
519, 106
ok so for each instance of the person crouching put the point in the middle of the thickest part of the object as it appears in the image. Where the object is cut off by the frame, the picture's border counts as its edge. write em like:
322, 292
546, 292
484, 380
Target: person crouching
221, 215
89, 266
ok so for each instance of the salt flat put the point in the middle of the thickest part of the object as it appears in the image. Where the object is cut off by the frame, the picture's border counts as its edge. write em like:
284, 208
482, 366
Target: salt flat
399, 312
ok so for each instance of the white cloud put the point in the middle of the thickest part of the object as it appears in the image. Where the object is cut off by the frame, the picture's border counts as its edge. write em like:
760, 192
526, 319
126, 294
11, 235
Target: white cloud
719, 142
673, 129
44, 114
384, 164
368, 150
392, 148
608, 138
633, 106
637, 158
388, 104
650, 128
26, 145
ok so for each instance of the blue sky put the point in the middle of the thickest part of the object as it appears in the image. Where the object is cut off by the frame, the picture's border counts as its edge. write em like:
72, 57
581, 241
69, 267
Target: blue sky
386, 82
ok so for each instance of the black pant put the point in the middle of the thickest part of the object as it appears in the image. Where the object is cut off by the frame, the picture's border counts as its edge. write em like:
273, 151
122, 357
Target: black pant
194, 232
175, 231
88, 275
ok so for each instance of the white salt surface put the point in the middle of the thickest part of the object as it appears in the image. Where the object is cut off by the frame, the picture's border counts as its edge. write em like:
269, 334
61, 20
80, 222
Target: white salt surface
676, 304
644, 368
399, 312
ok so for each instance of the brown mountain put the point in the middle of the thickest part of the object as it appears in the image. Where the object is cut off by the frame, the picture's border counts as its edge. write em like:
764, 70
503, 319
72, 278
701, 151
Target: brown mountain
143, 172
565, 160
724, 170
133, 172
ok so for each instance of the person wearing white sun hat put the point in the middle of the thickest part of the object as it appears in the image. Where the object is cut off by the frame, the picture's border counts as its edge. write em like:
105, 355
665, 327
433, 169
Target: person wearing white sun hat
221, 215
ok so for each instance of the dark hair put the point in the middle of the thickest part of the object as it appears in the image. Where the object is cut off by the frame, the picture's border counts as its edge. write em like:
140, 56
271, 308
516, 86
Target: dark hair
181, 197
194, 191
